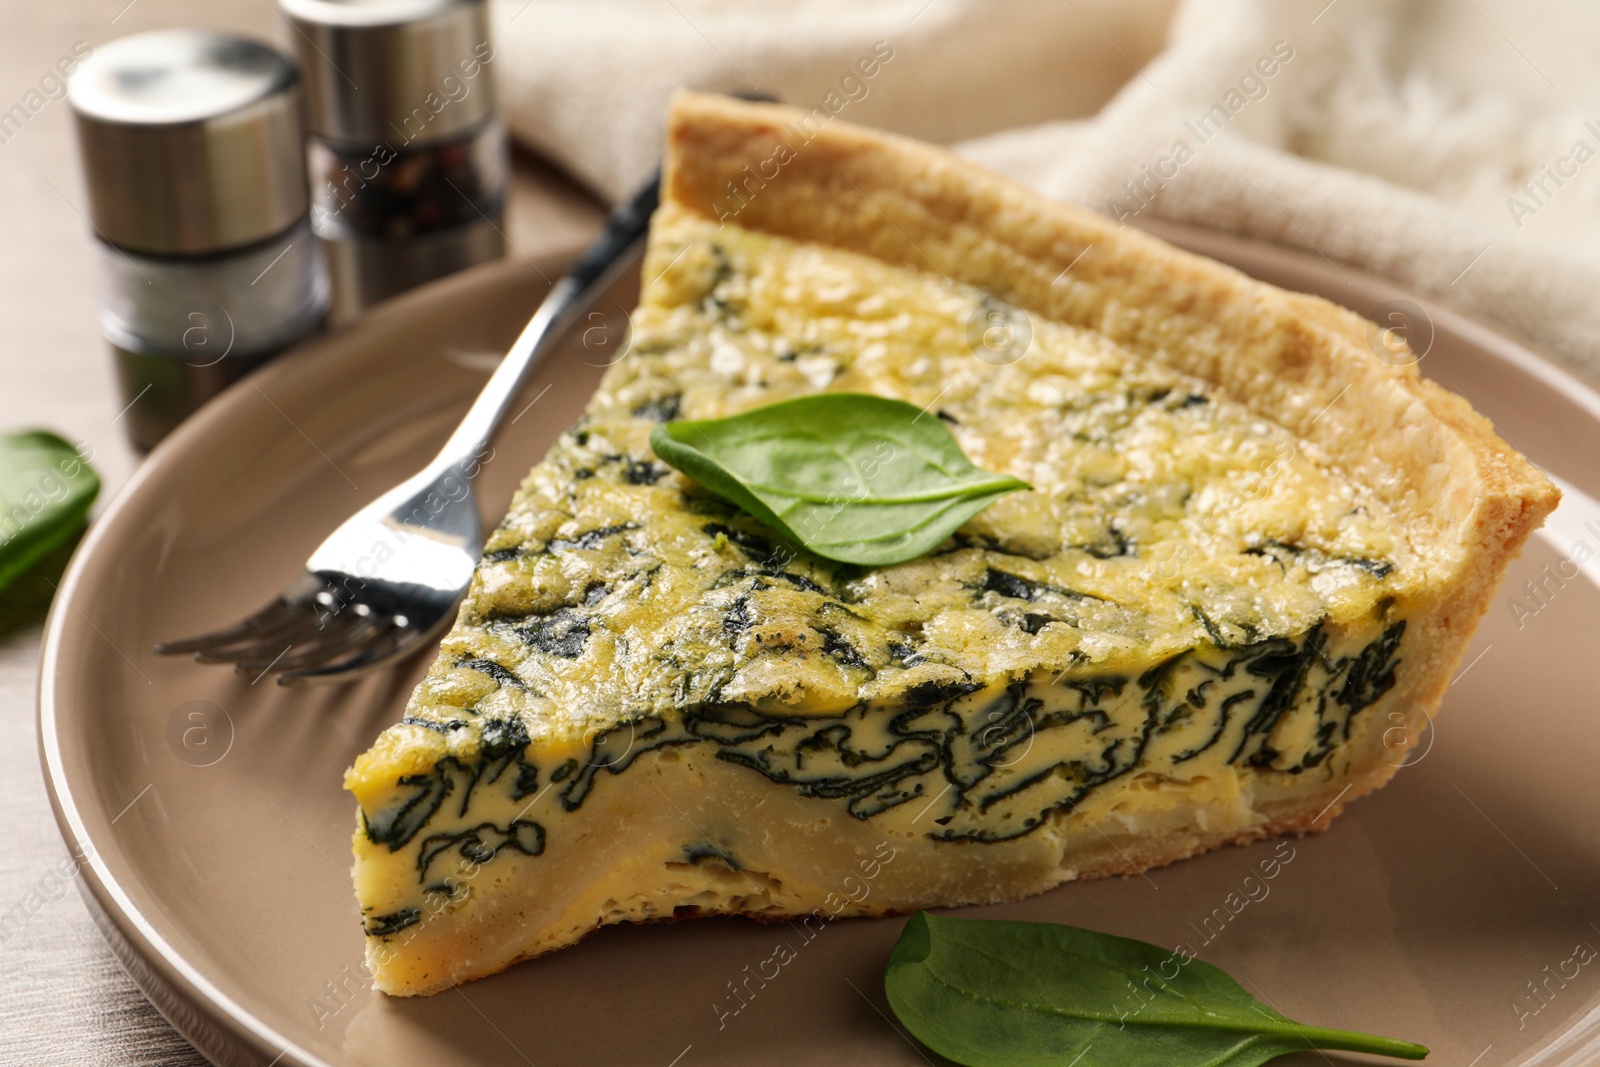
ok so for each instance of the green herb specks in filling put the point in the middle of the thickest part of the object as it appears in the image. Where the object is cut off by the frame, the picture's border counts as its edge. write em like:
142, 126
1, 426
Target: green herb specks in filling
1186, 588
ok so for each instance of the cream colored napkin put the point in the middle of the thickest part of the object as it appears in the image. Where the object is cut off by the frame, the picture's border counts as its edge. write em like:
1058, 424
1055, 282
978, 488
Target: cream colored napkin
1453, 146
586, 82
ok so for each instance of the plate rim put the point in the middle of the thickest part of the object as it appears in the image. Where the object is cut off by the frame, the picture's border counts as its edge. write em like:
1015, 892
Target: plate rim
215, 1023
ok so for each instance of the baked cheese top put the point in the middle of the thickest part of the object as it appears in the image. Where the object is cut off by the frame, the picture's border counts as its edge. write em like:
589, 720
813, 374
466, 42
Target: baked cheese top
1163, 517
1187, 597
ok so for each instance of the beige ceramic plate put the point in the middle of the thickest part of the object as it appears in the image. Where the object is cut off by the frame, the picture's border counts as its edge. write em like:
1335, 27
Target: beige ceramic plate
1452, 908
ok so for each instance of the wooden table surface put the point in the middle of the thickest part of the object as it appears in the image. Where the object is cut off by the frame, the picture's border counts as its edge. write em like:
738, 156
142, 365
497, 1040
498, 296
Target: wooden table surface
64, 999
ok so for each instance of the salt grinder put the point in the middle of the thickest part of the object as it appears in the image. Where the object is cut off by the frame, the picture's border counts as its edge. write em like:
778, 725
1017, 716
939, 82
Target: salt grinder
193, 159
408, 158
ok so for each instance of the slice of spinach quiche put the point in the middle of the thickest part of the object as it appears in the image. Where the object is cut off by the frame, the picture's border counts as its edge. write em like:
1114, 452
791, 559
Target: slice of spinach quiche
1250, 552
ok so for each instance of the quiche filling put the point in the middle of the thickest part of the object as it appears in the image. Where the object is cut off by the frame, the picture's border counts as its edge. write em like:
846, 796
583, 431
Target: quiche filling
1185, 618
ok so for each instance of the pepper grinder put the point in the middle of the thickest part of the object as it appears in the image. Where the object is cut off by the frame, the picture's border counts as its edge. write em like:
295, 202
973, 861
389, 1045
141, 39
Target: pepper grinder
194, 163
408, 158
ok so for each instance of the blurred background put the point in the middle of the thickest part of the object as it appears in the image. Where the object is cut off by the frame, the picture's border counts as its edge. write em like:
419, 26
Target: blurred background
1448, 145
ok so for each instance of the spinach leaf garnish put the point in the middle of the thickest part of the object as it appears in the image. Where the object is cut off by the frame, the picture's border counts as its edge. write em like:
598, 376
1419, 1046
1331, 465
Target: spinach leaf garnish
850, 477
46, 488
996, 993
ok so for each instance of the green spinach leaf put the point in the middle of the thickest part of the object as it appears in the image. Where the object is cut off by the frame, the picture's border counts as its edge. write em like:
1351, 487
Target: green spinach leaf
850, 477
995, 993
46, 488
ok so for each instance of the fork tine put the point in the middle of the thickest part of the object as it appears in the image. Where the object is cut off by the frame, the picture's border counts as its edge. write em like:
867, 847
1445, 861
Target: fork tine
309, 645
372, 646
273, 616
296, 630
304, 621
390, 643
353, 639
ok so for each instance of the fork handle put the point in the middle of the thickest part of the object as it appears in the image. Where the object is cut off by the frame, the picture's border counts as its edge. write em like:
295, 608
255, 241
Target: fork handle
598, 264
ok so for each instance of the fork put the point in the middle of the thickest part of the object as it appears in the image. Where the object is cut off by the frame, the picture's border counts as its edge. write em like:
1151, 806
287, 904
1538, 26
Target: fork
389, 578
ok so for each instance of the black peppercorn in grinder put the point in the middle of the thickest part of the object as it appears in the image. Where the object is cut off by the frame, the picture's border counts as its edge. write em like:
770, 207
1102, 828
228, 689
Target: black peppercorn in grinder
408, 158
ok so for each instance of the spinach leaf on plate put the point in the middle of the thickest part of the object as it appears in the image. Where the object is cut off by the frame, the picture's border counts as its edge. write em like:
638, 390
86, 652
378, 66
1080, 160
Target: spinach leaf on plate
997, 993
